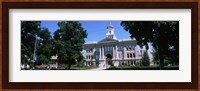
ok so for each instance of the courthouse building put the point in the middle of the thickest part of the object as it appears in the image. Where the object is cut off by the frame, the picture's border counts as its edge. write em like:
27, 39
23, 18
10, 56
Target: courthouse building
111, 51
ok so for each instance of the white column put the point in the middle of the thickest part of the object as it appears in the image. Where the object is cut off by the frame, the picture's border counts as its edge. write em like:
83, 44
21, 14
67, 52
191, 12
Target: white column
100, 56
116, 52
125, 56
102, 52
113, 52
84, 63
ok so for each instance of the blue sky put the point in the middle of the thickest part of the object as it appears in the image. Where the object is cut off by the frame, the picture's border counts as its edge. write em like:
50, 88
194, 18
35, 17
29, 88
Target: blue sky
96, 29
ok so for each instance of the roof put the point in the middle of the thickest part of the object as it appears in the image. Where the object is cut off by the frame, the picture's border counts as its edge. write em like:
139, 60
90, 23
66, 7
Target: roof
94, 42
108, 40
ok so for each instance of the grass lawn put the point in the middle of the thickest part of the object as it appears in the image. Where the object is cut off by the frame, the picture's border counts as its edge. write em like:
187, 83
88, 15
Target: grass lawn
143, 68
73, 67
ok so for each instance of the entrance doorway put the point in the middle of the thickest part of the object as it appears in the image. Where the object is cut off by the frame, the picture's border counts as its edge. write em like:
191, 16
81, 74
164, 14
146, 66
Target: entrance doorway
109, 59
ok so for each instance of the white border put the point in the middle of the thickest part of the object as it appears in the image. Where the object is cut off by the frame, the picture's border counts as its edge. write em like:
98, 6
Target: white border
181, 75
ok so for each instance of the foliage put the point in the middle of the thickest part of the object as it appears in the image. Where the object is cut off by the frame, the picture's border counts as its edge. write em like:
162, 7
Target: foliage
155, 57
28, 31
68, 42
170, 61
44, 46
145, 59
97, 62
166, 62
42, 59
164, 35
31, 32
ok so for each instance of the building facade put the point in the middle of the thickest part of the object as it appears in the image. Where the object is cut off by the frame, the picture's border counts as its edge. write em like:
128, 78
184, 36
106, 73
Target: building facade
112, 52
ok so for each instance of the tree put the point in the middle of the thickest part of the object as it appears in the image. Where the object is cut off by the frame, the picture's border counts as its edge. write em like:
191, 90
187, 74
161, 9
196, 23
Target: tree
44, 46
28, 31
155, 57
164, 35
145, 59
68, 42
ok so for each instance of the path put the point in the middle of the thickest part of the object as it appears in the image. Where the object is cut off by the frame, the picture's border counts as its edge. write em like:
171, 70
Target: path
96, 69
102, 66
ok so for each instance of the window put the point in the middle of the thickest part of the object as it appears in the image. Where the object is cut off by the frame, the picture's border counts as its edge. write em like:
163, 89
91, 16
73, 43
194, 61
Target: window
111, 48
108, 48
131, 55
119, 48
105, 48
127, 55
134, 55
126, 48
89, 50
97, 56
88, 57
97, 49
119, 55
132, 47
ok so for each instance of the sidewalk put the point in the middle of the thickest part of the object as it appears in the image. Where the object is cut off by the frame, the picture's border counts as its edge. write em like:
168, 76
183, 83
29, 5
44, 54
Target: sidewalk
97, 69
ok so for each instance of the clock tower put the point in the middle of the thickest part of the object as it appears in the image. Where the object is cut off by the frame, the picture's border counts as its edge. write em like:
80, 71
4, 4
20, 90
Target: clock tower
110, 32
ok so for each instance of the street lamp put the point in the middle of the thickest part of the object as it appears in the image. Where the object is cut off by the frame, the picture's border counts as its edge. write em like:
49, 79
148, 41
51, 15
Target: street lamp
34, 48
